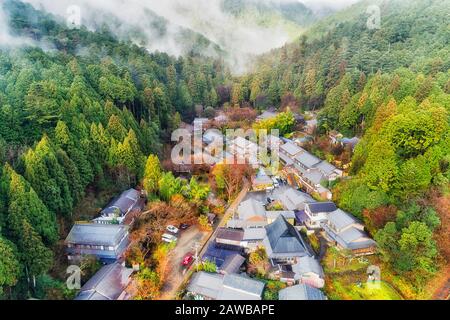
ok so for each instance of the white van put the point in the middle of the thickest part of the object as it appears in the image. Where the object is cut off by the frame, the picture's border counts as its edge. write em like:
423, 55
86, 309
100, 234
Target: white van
168, 238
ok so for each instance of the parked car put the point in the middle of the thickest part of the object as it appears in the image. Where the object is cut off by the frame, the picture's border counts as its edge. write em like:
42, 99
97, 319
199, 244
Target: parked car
184, 226
187, 260
276, 183
172, 229
169, 238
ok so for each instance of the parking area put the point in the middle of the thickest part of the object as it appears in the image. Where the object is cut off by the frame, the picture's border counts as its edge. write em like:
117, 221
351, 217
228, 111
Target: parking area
187, 239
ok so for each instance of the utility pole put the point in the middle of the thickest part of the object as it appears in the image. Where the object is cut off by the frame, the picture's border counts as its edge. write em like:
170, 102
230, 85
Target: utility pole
196, 247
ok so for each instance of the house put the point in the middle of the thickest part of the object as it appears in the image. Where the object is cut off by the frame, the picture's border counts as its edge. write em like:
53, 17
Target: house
232, 264
317, 213
283, 243
229, 237
108, 283
310, 170
214, 286
308, 270
347, 233
251, 213
107, 242
118, 209
301, 292
271, 216
293, 199
274, 142
288, 152
267, 114
261, 181
244, 150
253, 237
218, 253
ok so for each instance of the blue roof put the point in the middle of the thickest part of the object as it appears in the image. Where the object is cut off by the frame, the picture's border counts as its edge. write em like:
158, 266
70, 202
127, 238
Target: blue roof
301, 217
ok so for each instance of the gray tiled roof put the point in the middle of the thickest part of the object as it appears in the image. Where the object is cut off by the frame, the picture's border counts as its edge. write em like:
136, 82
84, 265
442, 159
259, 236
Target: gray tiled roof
288, 161
307, 159
232, 264
339, 219
124, 203
291, 148
315, 176
262, 178
107, 284
206, 284
293, 199
250, 208
274, 214
96, 234
283, 239
325, 167
254, 234
305, 265
243, 283
225, 287
301, 292
347, 239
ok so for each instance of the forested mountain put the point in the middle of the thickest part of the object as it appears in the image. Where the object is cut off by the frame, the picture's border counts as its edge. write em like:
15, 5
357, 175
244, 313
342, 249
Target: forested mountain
78, 109
82, 108
231, 29
293, 14
389, 85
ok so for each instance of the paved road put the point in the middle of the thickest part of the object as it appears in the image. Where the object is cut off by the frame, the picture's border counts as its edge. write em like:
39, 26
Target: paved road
175, 275
228, 213
443, 292
185, 244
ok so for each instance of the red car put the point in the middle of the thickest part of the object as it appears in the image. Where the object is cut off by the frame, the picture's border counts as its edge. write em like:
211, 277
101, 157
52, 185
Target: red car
187, 260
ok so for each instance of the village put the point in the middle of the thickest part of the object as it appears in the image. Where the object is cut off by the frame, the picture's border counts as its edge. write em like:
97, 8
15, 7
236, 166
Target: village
269, 242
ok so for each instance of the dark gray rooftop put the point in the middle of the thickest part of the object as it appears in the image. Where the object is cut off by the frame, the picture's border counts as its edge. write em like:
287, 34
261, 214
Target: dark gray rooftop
230, 234
317, 207
107, 284
123, 203
283, 238
232, 264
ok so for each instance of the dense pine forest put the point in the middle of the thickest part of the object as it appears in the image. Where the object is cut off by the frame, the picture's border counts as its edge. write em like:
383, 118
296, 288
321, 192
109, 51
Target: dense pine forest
82, 109
390, 86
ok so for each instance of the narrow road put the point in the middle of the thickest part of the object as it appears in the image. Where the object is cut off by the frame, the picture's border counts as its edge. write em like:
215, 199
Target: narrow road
443, 291
228, 213
177, 274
